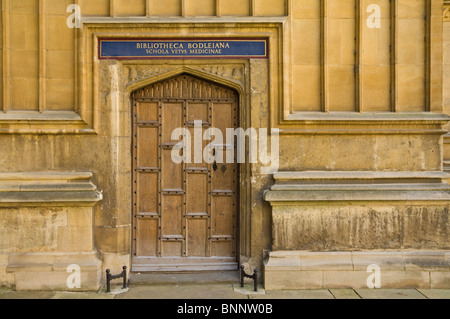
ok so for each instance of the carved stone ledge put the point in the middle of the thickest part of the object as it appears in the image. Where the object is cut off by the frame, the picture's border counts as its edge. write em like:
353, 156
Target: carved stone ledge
48, 188
296, 187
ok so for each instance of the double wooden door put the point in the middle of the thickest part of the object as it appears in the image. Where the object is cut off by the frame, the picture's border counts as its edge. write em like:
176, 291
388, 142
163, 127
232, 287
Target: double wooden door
184, 214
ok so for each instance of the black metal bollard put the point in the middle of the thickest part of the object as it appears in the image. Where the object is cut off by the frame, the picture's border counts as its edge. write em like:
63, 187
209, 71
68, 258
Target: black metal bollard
110, 277
254, 277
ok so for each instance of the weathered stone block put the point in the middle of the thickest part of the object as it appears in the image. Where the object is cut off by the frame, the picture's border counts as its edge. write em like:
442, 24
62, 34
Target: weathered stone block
288, 280
355, 269
50, 271
440, 280
113, 239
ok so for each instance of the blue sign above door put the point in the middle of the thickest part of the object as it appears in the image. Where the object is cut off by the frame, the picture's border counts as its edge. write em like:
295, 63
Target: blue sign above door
135, 49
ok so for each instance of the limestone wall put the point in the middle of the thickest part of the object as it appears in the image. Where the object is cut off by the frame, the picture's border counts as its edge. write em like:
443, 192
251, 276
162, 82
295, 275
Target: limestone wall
46, 223
348, 94
446, 70
338, 57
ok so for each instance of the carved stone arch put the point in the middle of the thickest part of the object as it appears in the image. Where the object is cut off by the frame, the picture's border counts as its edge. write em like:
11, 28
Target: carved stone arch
186, 86
190, 72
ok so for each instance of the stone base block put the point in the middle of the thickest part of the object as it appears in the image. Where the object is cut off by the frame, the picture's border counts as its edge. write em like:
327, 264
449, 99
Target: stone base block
115, 262
287, 270
6, 279
56, 271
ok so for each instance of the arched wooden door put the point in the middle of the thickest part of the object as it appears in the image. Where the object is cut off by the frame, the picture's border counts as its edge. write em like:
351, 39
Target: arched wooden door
184, 215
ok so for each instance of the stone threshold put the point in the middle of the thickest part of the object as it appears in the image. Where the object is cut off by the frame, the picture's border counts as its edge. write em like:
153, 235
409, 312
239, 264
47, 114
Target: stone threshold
184, 278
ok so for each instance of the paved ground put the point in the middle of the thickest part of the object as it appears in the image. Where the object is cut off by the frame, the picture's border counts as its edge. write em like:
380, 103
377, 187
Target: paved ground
217, 286
229, 291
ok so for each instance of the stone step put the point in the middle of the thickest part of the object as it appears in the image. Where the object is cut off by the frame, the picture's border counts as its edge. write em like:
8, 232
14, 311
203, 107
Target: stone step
210, 277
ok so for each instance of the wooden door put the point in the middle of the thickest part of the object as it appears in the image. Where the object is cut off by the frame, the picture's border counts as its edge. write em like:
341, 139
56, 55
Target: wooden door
184, 215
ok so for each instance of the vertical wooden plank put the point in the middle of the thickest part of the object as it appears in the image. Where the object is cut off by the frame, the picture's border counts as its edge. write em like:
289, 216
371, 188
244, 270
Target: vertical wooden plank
222, 248
146, 196
184, 224
134, 172
171, 215
222, 215
209, 211
147, 240
146, 147
222, 179
172, 179
147, 111
197, 193
197, 237
197, 112
223, 116
172, 118
147, 190
201, 164
160, 177
171, 248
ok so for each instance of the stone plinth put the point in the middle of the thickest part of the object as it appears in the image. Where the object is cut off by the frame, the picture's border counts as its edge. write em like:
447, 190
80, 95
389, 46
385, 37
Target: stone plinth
328, 227
397, 269
47, 225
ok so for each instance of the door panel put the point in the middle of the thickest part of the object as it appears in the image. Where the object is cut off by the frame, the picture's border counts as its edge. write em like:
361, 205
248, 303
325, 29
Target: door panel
171, 216
147, 112
223, 216
148, 142
197, 194
147, 238
197, 230
147, 187
184, 215
197, 112
172, 118
172, 173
